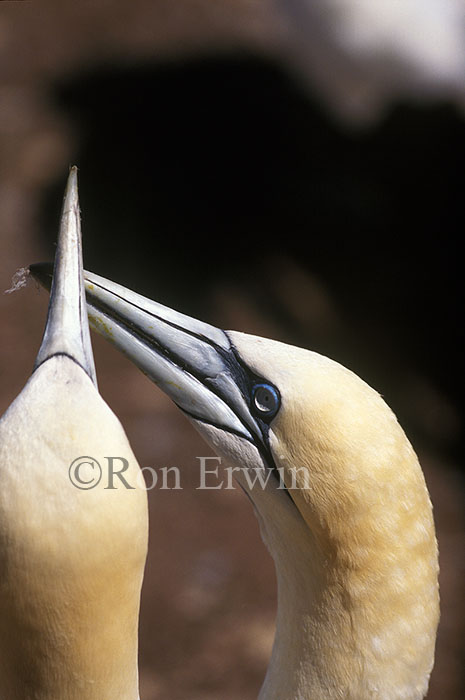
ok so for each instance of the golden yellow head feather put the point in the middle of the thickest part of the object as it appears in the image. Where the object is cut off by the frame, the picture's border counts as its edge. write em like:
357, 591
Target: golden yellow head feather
366, 577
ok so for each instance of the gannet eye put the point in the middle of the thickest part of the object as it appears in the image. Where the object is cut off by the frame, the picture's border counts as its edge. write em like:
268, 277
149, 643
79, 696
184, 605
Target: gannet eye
266, 400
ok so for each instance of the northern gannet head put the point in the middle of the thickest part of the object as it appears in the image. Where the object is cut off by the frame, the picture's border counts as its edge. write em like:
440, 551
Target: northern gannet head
72, 552
337, 488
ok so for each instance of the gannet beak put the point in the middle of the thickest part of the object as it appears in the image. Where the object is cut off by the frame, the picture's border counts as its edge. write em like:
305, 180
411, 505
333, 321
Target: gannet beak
67, 329
194, 363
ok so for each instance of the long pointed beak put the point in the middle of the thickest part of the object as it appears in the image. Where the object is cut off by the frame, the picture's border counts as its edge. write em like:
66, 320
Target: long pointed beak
67, 329
193, 362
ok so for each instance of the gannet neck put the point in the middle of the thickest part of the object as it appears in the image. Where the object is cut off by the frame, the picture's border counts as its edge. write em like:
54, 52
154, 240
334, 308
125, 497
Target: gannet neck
358, 574
360, 630
72, 559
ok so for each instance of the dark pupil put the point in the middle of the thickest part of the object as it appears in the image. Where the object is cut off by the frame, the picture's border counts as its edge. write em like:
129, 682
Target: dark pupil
264, 399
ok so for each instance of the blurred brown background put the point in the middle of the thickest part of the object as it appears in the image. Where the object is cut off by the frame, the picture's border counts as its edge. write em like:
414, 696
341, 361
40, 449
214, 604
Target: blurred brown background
216, 179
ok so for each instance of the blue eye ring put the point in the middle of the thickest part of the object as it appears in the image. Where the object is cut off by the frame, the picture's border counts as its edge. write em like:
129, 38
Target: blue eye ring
266, 401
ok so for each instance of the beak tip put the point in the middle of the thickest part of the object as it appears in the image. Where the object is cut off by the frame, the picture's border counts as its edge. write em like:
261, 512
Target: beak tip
71, 198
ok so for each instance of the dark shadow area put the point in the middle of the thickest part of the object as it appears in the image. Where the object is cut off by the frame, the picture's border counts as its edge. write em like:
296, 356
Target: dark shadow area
208, 172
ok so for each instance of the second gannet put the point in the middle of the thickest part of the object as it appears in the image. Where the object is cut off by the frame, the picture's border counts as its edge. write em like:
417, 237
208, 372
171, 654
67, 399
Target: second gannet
72, 550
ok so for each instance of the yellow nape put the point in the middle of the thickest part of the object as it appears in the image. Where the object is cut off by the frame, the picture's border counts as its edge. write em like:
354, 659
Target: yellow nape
357, 560
72, 559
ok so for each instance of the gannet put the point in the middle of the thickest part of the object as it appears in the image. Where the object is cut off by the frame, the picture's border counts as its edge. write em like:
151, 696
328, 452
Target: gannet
342, 503
71, 556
